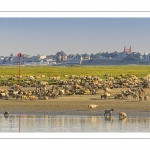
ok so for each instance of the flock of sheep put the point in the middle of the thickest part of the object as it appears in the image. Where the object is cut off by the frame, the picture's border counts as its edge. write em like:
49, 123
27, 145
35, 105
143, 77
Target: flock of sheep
77, 85
73, 85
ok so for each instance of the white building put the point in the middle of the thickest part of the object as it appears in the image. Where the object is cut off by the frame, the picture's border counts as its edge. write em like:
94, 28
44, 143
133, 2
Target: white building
1, 59
74, 59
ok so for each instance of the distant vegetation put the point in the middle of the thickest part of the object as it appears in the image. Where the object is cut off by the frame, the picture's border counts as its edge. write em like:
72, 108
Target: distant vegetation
61, 71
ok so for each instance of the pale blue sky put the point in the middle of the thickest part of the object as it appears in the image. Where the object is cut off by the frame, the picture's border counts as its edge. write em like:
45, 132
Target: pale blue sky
73, 35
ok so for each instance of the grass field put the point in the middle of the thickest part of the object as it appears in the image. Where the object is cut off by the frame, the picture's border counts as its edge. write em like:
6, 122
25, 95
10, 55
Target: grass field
61, 71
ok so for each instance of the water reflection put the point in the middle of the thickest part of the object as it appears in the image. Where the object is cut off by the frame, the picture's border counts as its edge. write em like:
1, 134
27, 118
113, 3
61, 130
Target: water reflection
70, 123
108, 118
123, 119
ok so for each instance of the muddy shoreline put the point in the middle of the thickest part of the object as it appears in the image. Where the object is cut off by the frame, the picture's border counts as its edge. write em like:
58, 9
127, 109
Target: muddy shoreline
78, 105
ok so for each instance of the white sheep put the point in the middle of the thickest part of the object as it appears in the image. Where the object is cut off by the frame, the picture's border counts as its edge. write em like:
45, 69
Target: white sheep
122, 115
92, 106
108, 111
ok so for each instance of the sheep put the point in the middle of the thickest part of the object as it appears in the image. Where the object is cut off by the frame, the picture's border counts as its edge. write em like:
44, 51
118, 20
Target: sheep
126, 95
6, 96
46, 97
61, 92
103, 96
6, 114
43, 76
94, 91
5, 83
135, 96
92, 106
18, 96
142, 90
2, 95
145, 98
107, 89
107, 94
119, 96
32, 97
122, 115
108, 111
55, 95
24, 97
140, 98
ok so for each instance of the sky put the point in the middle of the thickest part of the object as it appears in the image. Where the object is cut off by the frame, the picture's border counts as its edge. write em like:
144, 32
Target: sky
47, 36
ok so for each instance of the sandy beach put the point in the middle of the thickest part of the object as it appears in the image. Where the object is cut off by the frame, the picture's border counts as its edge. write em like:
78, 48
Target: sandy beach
78, 105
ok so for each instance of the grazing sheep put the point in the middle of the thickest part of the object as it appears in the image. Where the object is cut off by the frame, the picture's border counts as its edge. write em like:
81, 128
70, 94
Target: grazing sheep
145, 98
122, 115
107, 89
92, 106
55, 95
18, 96
2, 95
108, 111
6, 114
6, 96
103, 96
135, 96
142, 90
32, 97
119, 96
46, 97
61, 92
24, 97
126, 95
140, 98
43, 76
107, 94
94, 91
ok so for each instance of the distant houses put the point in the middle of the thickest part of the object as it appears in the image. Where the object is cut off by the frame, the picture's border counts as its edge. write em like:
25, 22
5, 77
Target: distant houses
1, 59
125, 53
61, 58
74, 59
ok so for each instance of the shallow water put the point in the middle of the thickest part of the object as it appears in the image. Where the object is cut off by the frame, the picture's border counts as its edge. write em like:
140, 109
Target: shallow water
70, 123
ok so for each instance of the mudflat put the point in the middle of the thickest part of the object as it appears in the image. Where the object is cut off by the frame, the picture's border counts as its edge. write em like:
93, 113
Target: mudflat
78, 105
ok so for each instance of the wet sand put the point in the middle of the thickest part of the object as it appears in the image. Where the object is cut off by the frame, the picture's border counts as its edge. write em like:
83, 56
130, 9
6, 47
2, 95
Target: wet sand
78, 105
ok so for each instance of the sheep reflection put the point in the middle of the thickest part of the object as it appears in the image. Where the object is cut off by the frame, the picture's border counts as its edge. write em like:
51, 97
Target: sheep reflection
123, 119
108, 118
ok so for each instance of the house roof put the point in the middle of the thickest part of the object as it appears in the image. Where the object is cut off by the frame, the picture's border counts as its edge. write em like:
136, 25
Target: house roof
127, 50
61, 53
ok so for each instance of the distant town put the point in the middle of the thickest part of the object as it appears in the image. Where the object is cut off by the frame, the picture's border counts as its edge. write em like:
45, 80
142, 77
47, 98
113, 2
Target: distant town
61, 58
